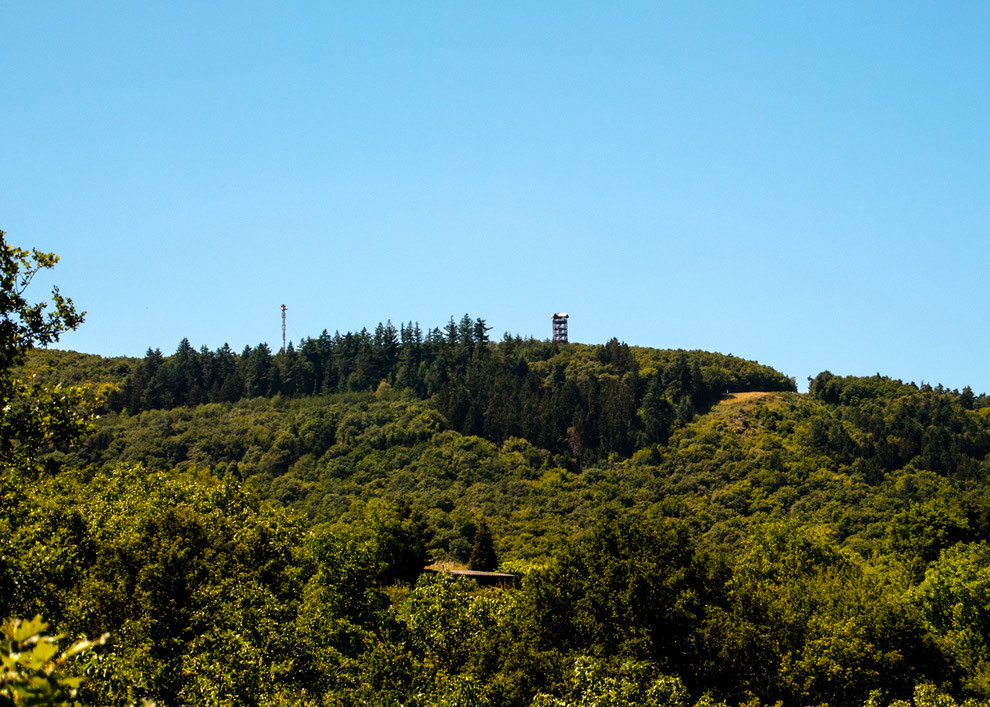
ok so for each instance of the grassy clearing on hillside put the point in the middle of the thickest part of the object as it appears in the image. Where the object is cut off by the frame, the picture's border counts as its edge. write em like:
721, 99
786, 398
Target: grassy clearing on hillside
740, 398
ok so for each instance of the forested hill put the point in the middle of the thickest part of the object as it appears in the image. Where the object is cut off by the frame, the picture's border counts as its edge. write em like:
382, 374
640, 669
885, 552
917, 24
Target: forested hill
687, 529
596, 399
540, 438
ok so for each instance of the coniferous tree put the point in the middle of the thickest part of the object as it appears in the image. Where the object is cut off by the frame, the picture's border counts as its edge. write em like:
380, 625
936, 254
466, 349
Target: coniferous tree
483, 555
658, 413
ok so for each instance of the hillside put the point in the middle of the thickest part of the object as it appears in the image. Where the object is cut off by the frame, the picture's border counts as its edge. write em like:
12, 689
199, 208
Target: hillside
74, 368
850, 455
684, 524
508, 432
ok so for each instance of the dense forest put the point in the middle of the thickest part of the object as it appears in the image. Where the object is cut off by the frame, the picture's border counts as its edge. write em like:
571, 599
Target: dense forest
684, 527
603, 399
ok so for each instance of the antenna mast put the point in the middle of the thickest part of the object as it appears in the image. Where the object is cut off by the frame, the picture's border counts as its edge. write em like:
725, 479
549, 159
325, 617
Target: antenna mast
283, 328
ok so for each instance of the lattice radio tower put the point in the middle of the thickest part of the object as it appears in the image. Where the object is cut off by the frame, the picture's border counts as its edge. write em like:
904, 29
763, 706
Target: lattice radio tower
283, 328
560, 328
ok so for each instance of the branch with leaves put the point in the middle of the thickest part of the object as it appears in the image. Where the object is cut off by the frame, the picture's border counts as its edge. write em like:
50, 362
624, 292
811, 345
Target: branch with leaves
35, 670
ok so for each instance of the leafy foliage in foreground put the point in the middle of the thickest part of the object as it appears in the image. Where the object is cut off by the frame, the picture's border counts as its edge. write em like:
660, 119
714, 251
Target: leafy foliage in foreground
213, 596
36, 415
33, 665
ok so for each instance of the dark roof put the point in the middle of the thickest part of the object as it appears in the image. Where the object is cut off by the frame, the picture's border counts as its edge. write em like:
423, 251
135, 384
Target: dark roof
473, 573
484, 578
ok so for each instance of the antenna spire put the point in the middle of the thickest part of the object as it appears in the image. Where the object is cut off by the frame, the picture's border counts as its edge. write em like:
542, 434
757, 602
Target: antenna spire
283, 328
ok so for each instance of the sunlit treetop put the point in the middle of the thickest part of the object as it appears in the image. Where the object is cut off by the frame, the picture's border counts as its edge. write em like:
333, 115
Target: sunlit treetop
24, 325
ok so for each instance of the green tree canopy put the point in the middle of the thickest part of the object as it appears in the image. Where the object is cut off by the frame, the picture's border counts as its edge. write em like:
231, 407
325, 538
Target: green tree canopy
35, 415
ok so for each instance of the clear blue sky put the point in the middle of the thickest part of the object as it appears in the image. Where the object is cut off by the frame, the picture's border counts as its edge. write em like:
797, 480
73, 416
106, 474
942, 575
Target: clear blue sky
805, 184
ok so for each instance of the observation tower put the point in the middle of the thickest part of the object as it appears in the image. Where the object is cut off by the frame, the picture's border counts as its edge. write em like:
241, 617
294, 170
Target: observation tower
560, 328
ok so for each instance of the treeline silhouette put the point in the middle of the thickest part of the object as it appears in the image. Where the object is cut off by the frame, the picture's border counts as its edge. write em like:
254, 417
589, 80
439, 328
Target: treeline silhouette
589, 400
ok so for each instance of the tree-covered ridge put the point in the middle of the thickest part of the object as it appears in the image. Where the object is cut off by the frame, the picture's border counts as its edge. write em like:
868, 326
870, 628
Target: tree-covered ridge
67, 368
590, 400
785, 455
754, 457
